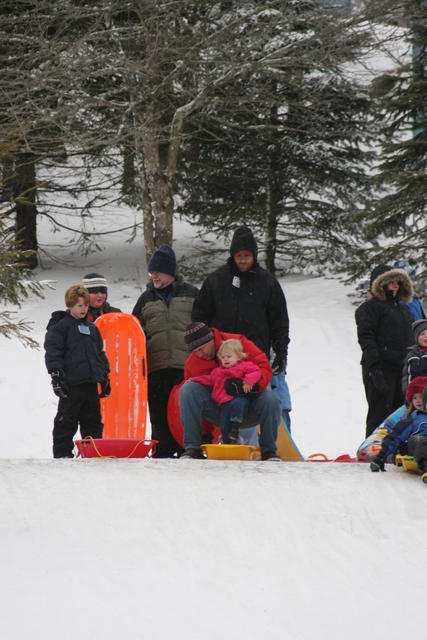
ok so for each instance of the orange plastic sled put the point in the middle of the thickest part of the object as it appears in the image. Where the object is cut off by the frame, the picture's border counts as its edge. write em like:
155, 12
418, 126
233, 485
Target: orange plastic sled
175, 423
124, 412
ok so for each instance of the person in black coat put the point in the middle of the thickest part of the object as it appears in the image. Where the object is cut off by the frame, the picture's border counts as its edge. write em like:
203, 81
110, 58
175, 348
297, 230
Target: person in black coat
384, 334
76, 361
242, 297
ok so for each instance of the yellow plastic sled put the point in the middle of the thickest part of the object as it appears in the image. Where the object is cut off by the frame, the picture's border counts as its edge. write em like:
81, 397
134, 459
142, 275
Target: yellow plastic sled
231, 451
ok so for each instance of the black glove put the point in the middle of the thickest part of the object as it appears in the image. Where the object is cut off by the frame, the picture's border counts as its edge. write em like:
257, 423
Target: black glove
379, 381
234, 387
105, 388
279, 363
377, 463
59, 384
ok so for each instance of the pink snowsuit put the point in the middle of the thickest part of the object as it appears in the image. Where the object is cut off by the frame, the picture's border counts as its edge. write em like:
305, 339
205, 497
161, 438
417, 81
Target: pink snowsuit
244, 370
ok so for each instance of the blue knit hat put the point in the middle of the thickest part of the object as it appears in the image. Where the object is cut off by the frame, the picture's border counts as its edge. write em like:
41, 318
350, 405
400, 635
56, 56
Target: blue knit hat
163, 260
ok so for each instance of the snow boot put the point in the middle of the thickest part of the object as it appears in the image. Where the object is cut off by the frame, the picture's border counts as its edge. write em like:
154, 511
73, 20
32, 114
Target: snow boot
271, 456
193, 453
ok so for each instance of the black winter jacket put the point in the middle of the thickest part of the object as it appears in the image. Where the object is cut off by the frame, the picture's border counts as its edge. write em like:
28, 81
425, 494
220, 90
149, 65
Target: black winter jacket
256, 307
93, 314
384, 324
79, 355
415, 365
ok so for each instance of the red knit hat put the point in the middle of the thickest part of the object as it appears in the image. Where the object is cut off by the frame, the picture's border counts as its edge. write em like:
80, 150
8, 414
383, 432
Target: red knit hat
417, 385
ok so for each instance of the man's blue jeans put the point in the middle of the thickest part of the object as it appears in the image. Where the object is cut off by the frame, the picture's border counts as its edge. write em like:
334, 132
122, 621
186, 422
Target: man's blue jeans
195, 401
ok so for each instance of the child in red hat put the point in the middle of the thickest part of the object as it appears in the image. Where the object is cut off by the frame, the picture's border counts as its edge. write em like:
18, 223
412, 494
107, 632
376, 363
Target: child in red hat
412, 429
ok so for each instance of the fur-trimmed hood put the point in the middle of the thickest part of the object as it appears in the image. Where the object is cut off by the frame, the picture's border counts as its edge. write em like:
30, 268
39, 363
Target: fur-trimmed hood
406, 290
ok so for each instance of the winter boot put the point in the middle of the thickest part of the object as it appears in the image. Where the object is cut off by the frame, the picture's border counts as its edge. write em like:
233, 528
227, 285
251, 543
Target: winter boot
194, 453
234, 433
271, 456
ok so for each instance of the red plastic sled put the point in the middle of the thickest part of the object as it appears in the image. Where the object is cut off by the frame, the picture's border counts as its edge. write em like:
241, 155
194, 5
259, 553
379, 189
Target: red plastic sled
322, 457
124, 412
115, 448
175, 424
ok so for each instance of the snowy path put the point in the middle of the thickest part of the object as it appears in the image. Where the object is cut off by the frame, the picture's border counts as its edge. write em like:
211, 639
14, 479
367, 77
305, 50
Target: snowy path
155, 549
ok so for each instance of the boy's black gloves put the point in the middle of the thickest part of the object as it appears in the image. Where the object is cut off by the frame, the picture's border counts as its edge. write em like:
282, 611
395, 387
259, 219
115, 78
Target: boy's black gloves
59, 384
377, 463
234, 387
279, 363
105, 388
379, 381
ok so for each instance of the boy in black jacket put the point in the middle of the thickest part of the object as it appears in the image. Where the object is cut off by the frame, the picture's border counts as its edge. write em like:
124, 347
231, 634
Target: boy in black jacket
76, 362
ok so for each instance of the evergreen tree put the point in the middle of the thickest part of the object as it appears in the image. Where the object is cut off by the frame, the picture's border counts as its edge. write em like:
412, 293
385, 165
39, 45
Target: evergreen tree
395, 225
14, 286
286, 151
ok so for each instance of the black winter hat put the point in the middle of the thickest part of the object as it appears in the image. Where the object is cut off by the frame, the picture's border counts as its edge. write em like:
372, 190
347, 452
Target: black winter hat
243, 239
163, 260
382, 268
95, 282
418, 327
197, 334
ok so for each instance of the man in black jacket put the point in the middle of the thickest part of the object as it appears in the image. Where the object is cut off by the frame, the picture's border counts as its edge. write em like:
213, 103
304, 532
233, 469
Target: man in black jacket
384, 333
242, 297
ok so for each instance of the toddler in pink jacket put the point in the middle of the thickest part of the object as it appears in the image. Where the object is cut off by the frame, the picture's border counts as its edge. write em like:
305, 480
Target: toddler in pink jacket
233, 385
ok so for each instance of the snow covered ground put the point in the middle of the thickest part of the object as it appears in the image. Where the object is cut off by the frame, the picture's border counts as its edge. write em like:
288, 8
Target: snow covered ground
154, 549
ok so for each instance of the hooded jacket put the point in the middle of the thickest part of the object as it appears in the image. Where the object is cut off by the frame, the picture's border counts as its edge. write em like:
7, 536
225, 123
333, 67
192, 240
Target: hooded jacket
246, 371
76, 347
251, 303
196, 366
414, 424
384, 322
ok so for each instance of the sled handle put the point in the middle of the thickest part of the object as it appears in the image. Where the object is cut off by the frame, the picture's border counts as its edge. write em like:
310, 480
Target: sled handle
323, 456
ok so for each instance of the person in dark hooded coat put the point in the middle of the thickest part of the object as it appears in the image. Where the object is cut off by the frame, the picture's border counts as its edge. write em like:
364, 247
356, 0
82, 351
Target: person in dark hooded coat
384, 333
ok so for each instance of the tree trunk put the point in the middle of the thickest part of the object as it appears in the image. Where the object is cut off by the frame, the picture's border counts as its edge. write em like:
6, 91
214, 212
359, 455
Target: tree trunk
24, 189
273, 192
157, 191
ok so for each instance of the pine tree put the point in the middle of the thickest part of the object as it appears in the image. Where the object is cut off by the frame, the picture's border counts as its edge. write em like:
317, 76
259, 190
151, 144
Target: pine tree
286, 151
395, 225
14, 285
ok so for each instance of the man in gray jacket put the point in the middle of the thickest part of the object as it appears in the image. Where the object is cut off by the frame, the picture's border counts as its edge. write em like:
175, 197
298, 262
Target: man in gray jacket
164, 311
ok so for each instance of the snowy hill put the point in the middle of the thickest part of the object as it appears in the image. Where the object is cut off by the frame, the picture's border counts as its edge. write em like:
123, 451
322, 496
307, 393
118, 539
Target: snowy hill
155, 549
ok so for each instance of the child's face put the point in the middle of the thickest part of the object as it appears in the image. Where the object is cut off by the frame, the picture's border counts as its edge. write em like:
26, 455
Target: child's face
229, 358
79, 310
422, 339
417, 401
97, 299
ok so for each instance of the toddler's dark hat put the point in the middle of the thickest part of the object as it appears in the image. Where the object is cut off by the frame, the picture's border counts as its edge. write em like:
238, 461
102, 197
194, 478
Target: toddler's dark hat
418, 327
95, 281
163, 260
197, 334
